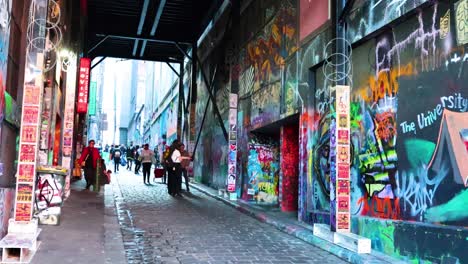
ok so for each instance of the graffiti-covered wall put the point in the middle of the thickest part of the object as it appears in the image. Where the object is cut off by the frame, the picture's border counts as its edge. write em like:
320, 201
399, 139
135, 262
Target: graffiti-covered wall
409, 121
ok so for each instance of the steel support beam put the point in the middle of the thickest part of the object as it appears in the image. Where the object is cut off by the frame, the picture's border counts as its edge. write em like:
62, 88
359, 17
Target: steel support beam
215, 106
144, 10
204, 115
181, 101
99, 61
174, 70
193, 89
183, 51
162, 3
99, 43
135, 48
143, 47
143, 37
346, 9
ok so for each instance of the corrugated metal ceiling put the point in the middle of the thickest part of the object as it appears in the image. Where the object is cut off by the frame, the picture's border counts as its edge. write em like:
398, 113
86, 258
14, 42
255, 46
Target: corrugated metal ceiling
146, 29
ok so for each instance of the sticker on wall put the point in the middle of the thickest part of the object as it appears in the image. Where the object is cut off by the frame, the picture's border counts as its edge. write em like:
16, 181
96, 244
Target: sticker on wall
24, 192
233, 101
26, 173
343, 121
232, 116
232, 168
28, 134
27, 153
343, 136
343, 187
231, 183
31, 95
343, 171
343, 154
30, 115
232, 135
343, 204
232, 146
343, 221
23, 211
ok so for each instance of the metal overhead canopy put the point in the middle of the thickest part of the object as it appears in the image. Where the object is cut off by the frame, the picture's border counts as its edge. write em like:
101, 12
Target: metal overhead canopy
146, 29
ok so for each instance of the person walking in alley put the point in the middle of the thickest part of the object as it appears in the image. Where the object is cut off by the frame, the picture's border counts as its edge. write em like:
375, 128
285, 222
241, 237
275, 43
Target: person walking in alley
116, 157
169, 166
137, 159
146, 157
130, 156
184, 164
89, 159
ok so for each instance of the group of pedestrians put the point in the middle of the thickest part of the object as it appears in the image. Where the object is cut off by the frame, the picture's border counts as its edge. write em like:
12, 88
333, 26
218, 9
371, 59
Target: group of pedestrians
175, 161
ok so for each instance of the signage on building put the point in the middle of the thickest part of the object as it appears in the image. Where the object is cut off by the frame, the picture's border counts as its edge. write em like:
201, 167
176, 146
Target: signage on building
83, 84
343, 160
92, 99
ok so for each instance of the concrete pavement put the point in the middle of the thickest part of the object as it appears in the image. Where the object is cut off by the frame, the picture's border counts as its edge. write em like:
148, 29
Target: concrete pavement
195, 228
88, 231
137, 223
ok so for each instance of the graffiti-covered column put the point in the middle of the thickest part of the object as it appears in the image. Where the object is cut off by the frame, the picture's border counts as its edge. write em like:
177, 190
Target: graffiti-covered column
232, 156
68, 122
342, 142
30, 114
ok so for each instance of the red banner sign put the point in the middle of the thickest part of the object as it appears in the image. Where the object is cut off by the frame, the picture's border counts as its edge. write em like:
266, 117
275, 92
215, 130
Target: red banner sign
83, 84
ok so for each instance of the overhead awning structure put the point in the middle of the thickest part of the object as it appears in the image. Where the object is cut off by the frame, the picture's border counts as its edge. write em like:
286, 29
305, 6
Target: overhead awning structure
154, 30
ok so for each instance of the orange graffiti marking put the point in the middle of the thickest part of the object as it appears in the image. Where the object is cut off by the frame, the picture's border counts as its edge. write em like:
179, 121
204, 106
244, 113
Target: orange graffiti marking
380, 207
385, 84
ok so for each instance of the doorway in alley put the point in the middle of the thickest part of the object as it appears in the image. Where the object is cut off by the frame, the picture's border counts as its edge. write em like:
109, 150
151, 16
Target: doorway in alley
273, 165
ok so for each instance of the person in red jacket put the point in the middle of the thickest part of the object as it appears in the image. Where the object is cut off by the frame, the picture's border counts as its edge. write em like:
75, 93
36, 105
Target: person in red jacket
89, 159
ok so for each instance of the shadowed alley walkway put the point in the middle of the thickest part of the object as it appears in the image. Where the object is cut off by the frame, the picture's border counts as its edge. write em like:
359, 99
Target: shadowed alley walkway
158, 228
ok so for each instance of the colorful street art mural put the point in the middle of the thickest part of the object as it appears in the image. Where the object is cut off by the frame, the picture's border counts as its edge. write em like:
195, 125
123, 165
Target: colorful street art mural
265, 56
263, 170
269, 50
408, 123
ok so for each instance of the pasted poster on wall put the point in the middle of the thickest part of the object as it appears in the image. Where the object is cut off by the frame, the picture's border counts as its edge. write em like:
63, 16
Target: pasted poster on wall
232, 156
343, 159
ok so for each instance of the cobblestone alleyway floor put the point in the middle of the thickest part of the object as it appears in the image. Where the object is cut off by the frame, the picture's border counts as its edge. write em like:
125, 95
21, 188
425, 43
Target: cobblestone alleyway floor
159, 228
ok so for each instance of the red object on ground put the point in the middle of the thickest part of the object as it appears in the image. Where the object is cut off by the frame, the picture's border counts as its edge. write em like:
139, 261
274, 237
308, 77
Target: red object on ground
158, 172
